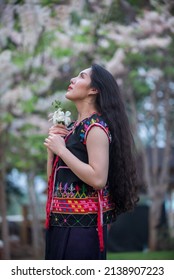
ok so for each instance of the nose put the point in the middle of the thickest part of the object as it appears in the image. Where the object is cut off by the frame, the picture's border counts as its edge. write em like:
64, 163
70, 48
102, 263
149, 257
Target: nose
72, 81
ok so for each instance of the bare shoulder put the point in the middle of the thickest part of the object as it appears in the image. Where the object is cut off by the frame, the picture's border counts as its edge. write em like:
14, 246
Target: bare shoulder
97, 134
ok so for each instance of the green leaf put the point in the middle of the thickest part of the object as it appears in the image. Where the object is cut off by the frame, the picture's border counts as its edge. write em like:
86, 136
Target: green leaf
169, 72
29, 105
61, 52
20, 58
56, 104
7, 118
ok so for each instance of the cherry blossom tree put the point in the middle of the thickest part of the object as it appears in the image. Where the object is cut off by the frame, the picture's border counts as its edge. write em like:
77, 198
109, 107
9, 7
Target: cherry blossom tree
43, 44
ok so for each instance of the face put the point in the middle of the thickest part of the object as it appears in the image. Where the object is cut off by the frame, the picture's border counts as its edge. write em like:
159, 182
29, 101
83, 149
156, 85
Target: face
79, 87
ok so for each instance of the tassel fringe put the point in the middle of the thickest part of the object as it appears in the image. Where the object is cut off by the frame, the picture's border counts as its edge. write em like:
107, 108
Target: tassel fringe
50, 192
100, 220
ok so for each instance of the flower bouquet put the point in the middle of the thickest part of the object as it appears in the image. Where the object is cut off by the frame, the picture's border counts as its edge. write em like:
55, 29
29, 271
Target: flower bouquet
59, 116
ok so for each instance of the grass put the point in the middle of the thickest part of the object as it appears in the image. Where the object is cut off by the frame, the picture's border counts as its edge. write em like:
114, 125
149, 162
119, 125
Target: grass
158, 255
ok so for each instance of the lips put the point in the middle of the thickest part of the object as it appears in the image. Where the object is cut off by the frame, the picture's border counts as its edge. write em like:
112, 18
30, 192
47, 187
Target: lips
69, 88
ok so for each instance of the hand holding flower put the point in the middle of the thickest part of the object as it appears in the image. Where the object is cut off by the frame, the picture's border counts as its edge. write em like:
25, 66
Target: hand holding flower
55, 141
59, 129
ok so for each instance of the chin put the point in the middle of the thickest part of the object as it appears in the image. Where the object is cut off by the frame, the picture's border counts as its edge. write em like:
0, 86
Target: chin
66, 94
69, 96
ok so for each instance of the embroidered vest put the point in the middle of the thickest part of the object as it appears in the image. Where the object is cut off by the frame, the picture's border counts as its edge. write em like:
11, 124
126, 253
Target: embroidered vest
71, 201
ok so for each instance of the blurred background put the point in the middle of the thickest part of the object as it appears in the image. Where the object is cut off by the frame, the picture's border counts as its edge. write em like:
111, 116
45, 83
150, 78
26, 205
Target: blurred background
43, 44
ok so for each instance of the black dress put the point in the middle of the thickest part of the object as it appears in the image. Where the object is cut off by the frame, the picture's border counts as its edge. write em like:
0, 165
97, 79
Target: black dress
77, 214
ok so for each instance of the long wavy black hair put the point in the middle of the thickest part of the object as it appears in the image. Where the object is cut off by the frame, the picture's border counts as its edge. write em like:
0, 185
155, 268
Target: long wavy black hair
122, 177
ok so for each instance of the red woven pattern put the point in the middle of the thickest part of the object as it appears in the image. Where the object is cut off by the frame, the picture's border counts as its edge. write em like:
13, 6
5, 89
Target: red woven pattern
50, 191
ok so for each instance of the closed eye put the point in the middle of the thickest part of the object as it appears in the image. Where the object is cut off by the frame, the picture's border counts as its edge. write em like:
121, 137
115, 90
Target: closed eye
82, 75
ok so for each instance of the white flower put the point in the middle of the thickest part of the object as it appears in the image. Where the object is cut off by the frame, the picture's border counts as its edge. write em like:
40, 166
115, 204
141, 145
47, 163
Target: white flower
59, 117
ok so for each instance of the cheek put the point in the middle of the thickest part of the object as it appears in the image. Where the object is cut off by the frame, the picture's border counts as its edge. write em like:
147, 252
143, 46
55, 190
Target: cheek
79, 91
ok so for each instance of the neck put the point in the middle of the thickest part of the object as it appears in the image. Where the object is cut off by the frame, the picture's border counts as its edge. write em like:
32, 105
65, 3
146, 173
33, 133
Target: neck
85, 110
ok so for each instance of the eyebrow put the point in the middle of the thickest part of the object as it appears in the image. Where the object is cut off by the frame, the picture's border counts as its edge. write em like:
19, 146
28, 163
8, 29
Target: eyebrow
83, 73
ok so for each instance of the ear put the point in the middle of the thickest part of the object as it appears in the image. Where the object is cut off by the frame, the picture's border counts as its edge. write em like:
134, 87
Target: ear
93, 91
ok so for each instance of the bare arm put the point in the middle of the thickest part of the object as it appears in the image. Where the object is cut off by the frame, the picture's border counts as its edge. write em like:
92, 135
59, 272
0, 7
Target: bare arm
94, 173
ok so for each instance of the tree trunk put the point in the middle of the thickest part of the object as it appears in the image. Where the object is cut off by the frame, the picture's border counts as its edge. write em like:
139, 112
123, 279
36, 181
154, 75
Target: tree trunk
37, 238
154, 219
3, 207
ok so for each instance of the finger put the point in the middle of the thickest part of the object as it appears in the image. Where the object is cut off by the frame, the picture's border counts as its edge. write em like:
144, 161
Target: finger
60, 125
47, 140
58, 130
60, 134
51, 135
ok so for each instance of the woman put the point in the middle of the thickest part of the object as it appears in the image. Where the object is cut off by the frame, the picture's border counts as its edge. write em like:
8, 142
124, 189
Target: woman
92, 178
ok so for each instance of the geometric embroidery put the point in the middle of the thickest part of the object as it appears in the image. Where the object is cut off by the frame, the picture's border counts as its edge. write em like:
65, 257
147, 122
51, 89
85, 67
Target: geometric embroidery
77, 220
87, 125
77, 204
73, 190
80, 205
